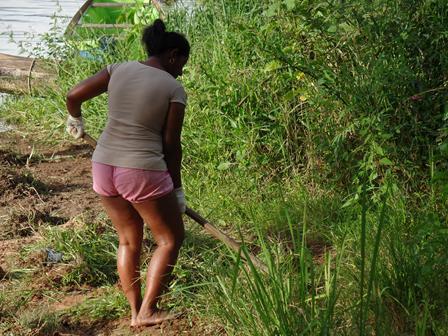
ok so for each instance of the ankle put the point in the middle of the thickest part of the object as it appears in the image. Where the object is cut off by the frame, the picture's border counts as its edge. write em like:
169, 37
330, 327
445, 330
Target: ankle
147, 310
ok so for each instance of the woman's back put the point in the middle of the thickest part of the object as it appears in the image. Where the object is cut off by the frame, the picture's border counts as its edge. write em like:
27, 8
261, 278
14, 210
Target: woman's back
139, 96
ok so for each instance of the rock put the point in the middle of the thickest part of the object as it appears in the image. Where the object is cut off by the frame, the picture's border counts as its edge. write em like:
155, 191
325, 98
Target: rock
53, 256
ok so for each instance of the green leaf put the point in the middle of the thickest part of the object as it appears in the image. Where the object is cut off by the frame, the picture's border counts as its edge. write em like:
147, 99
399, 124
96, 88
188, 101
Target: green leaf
444, 147
290, 4
378, 150
386, 162
332, 29
272, 10
351, 201
272, 66
373, 176
345, 27
290, 95
224, 165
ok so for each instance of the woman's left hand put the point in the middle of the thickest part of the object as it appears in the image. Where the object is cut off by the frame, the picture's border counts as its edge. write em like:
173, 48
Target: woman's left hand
180, 195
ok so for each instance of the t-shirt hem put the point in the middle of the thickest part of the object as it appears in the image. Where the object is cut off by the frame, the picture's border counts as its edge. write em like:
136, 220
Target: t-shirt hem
132, 166
178, 101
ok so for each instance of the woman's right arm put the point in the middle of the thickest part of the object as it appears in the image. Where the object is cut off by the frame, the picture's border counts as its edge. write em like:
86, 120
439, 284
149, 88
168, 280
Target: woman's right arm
85, 90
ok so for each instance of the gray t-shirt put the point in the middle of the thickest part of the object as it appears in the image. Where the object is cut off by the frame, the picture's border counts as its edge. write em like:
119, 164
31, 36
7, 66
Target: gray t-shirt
139, 97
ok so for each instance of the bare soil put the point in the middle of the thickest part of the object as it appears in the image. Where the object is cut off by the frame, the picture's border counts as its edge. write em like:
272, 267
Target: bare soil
42, 185
48, 185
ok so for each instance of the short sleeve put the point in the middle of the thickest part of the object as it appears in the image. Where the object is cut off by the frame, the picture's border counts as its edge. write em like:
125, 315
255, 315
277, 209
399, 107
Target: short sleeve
179, 96
111, 67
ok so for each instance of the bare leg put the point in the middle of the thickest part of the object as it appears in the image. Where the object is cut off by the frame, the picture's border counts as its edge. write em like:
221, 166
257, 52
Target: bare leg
167, 228
129, 226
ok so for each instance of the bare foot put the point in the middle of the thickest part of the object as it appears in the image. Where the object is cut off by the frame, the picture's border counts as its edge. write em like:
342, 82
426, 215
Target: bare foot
134, 319
156, 317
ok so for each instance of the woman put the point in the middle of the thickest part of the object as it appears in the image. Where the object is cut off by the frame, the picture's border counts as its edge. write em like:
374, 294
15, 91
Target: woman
136, 164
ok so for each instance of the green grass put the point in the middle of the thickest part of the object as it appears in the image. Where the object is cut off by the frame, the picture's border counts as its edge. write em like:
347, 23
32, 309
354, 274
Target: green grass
91, 252
301, 138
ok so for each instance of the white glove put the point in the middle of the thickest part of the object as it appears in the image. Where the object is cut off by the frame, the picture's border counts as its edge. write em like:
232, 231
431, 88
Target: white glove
180, 195
75, 127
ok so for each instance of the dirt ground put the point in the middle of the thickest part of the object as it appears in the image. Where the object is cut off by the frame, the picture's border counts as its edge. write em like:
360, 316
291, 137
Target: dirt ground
41, 185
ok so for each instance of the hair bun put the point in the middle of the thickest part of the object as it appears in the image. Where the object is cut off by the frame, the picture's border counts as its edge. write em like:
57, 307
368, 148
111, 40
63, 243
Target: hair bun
158, 27
157, 40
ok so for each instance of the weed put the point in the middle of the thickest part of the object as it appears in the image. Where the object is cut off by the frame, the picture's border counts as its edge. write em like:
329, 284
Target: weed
90, 250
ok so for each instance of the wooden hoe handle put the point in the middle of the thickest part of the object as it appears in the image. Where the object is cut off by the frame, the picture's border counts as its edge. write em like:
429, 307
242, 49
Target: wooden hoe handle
229, 241
211, 229
91, 141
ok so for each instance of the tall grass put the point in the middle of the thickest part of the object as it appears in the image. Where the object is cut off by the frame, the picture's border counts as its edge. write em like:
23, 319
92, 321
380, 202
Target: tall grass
319, 96
295, 297
310, 129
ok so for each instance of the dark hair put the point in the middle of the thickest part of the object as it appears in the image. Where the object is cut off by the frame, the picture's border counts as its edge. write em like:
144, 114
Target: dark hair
157, 40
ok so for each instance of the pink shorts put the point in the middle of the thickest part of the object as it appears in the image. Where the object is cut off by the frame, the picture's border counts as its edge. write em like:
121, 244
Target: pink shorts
134, 185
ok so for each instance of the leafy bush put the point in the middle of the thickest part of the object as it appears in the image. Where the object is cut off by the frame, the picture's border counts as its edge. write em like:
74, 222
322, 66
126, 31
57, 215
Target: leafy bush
324, 86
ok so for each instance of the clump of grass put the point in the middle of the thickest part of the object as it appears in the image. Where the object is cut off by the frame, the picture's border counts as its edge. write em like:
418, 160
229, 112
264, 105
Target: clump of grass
295, 297
39, 321
15, 299
89, 249
109, 305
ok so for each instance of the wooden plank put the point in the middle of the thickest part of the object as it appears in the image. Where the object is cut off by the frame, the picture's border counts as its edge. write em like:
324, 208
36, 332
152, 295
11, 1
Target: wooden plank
104, 25
24, 75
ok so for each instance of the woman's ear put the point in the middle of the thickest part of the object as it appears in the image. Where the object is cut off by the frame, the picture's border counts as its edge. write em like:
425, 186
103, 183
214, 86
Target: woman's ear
174, 53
